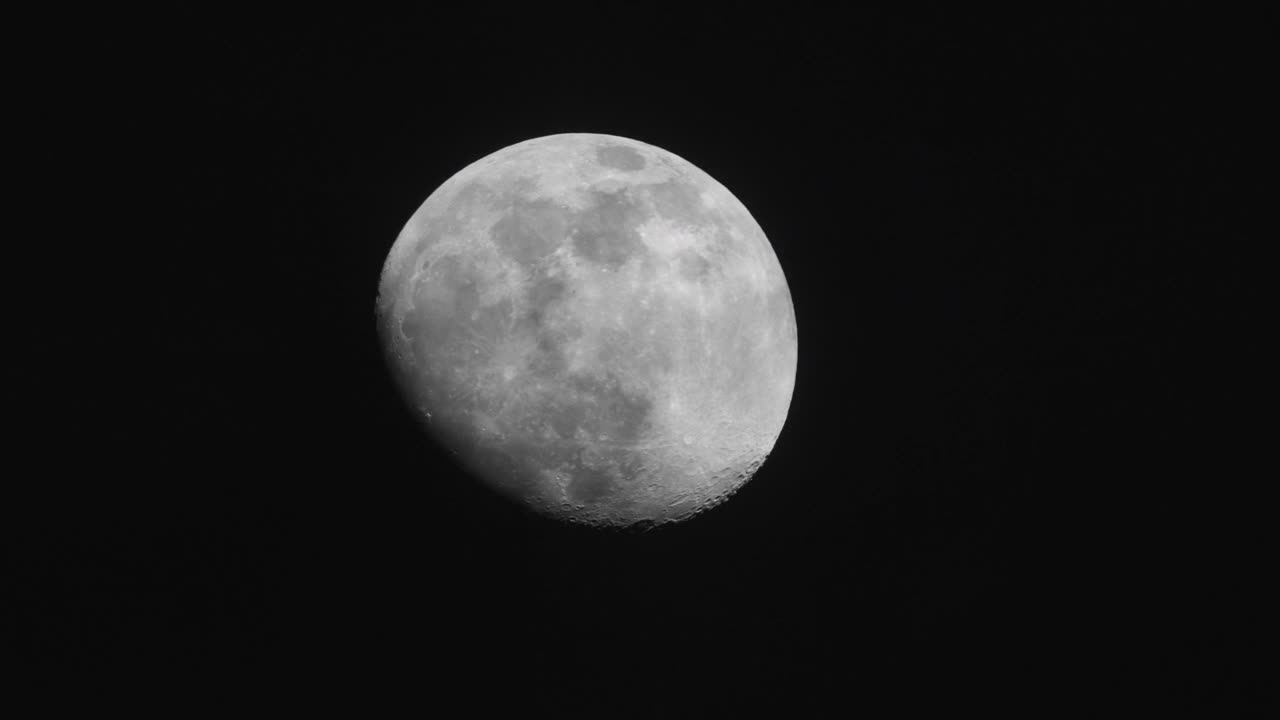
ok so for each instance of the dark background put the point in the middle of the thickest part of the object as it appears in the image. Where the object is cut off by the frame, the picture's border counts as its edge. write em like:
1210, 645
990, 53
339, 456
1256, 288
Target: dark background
1011, 474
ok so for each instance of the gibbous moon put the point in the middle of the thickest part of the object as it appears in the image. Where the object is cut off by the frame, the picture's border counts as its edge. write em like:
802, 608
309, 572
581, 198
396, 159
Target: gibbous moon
594, 327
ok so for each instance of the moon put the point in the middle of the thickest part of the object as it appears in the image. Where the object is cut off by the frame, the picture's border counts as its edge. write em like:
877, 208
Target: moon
594, 327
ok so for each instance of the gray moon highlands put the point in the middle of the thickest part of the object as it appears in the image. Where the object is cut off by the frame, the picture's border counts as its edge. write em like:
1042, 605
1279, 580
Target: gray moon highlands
594, 327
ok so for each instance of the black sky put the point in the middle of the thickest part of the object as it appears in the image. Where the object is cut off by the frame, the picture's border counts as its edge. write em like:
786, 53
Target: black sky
1008, 478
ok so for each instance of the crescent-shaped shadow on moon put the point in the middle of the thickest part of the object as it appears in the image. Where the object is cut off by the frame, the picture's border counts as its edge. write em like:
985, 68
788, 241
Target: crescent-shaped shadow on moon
597, 328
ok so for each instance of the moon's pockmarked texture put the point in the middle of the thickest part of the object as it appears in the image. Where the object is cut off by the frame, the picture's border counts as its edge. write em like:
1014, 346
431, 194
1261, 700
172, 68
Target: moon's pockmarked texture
595, 327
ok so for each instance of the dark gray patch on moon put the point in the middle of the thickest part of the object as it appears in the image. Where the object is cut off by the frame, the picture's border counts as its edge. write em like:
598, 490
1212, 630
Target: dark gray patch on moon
506, 462
530, 230
548, 360
605, 233
614, 416
597, 408
693, 266
678, 201
566, 417
595, 425
619, 157
546, 291
589, 484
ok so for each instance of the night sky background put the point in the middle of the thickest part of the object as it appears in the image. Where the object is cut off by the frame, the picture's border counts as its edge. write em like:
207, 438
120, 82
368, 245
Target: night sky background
1012, 473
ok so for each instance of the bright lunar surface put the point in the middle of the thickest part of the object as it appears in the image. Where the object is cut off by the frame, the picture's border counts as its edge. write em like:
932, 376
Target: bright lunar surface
595, 327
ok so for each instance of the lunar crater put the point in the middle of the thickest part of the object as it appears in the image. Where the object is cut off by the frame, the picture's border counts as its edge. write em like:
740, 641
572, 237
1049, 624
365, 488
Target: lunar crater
619, 157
